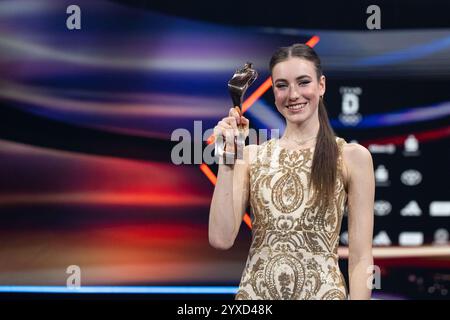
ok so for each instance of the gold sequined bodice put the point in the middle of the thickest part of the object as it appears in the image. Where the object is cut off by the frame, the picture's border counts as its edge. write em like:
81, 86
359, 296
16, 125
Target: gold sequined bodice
293, 254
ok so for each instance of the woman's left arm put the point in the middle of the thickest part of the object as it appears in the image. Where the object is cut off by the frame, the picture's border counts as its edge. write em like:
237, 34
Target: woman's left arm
361, 193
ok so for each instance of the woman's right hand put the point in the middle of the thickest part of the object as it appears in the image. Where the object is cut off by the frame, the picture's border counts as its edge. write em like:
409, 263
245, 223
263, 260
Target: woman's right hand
229, 128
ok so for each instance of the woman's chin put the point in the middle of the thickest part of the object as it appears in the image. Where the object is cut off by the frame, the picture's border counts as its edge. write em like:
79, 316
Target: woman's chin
297, 118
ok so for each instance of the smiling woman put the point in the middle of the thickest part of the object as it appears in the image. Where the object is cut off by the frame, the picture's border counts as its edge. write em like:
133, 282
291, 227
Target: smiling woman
299, 89
297, 187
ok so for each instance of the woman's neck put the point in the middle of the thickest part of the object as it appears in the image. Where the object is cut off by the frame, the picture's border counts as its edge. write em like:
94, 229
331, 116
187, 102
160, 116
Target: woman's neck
302, 133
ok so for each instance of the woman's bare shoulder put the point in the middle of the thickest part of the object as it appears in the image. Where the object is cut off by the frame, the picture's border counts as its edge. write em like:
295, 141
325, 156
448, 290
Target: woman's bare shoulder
356, 156
355, 151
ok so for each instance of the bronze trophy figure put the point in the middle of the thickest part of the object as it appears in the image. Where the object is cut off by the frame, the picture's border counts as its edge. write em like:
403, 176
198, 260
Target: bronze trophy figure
237, 86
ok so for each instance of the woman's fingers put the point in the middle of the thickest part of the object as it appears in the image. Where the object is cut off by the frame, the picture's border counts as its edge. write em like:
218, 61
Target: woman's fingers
231, 121
231, 127
235, 114
244, 121
238, 111
225, 130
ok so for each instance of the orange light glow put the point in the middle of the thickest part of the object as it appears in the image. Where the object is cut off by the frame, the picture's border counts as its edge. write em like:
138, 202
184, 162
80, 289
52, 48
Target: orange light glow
313, 41
208, 173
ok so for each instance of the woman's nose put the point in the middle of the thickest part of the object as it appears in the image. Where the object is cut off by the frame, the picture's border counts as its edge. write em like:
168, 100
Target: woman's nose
293, 92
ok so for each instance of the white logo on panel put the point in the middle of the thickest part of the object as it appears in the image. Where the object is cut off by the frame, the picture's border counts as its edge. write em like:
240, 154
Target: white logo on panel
440, 209
410, 238
350, 106
411, 209
382, 176
381, 239
382, 207
441, 237
382, 148
411, 177
411, 146
344, 238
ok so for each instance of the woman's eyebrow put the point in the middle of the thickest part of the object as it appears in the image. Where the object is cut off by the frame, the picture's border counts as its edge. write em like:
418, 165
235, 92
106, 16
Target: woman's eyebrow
298, 78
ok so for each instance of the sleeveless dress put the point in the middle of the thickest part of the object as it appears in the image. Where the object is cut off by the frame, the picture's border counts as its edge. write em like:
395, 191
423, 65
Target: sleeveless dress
293, 254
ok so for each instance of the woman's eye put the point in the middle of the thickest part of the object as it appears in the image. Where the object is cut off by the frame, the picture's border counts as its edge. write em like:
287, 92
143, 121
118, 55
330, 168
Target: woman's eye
301, 83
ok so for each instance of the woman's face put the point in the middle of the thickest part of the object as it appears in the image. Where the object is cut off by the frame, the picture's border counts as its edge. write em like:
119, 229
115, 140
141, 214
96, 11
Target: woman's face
296, 88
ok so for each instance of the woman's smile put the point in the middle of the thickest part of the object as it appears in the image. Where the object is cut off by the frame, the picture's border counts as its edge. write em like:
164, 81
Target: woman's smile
297, 108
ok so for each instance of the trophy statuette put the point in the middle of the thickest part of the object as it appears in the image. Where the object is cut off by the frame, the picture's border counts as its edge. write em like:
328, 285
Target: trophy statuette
237, 86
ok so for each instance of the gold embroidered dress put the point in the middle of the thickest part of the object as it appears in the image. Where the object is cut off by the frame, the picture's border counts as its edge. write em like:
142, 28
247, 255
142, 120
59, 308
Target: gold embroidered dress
293, 254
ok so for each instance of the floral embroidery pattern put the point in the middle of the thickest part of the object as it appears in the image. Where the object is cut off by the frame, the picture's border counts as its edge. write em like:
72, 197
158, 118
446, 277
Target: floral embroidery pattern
293, 254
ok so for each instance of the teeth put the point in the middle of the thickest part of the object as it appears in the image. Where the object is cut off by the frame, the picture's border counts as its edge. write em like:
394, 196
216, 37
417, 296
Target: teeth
297, 106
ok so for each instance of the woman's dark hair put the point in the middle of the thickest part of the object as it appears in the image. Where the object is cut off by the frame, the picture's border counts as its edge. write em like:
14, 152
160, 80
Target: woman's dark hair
324, 166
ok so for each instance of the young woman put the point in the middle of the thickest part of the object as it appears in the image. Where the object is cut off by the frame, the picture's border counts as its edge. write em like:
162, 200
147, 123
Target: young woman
297, 187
